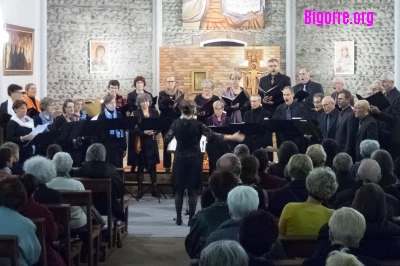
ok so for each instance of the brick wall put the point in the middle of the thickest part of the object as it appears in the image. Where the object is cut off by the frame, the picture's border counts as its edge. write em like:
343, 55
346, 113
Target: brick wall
374, 46
127, 24
217, 61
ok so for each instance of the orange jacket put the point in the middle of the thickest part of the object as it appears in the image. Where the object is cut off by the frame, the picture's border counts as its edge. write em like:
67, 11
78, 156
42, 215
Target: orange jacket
30, 103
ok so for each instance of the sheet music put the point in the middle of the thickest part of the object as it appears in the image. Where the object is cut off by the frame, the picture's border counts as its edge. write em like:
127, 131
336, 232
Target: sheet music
38, 129
243, 6
95, 117
172, 145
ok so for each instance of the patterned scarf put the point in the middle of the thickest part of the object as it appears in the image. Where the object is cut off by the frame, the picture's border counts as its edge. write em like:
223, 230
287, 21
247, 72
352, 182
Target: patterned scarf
112, 115
217, 123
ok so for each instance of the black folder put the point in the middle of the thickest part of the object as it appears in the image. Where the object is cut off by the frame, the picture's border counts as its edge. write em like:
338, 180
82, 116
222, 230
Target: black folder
275, 92
283, 126
154, 124
124, 108
153, 105
45, 138
261, 92
301, 95
240, 99
207, 108
309, 127
378, 99
243, 128
32, 112
123, 123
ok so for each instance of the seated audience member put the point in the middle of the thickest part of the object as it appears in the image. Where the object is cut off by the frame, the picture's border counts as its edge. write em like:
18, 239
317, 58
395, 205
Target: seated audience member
306, 218
394, 189
317, 155
52, 150
209, 219
368, 172
380, 235
224, 252
63, 165
6, 161
342, 258
331, 149
346, 229
267, 181
12, 198
228, 162
242, 200
285, 152
385, 161
258, 233
342, 164
298, 168
96, 167
32, 209
44, 171
250, 178
367, 147
16, 168
241, 150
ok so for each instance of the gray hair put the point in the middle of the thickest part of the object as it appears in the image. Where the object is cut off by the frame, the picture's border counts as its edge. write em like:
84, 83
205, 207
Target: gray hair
96, 152
317, 155
388, 76
346, 227
299, 166
207, 81
342, 258
342, 163
218, 103
385, 161
143, 97
241, 150
321, 183
339, 80
241, 201
368, 146
42, 168
62, 162
369, 171
224, 252
230, 162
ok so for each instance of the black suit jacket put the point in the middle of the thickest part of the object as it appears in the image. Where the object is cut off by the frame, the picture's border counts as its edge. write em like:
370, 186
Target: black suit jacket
312, 88
257, 141
281, 81
346, 131
331, 132
368, 129
296, 109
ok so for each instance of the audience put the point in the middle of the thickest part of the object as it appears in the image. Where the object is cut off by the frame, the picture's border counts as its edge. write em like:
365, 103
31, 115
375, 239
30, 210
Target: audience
394, 189
241, 150
384, 159
44, 171
258, 233
209, 219
96, 167
52, 150
224, 253
63, 165
367, 147
341, 258
346, 229
306, 218
317, 155
33, 209
6, 162
342, 164
267, 181
12, 198
16, 168
298, 168
331, 149
285, 152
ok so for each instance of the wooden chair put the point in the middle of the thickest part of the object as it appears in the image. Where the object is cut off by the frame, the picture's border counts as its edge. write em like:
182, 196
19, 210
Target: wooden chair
41, 236
70, 252
299, 246
84, 199
103, 186
9, 249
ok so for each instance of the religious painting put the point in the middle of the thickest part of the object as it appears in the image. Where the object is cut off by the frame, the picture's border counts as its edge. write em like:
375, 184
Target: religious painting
344, 58
19, 51
100, 57
223, 14
197, 78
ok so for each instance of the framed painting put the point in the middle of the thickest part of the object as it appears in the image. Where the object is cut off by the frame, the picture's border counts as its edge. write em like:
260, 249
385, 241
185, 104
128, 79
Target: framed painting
100, 56
344, 58
197, 78
19, 51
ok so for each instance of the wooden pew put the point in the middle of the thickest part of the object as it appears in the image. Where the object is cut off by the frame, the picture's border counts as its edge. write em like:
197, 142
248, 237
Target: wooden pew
9, 249
103, 186
299, 246
84, 199
41, 236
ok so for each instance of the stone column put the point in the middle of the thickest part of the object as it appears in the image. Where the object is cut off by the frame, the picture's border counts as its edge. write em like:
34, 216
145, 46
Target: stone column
157, 43
397, 43
291, 40
43, 48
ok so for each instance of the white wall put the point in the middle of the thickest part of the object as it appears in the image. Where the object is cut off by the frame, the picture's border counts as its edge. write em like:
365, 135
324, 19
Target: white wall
25, 13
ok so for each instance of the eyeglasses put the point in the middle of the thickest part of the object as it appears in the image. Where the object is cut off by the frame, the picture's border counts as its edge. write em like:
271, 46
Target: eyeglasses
170, 81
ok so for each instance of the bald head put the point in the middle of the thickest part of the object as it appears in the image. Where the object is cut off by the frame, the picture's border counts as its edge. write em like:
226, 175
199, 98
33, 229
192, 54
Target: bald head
328, 104
361, 109
229, 162
369, 171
